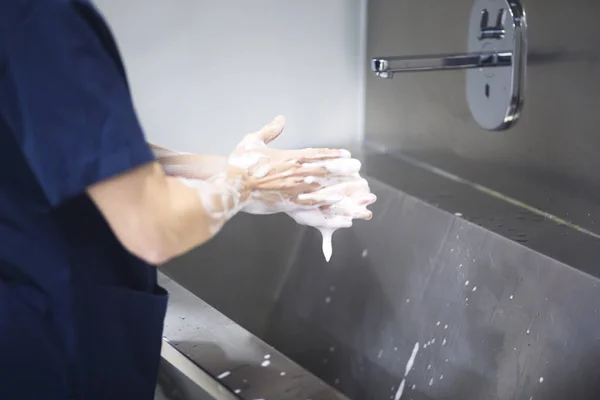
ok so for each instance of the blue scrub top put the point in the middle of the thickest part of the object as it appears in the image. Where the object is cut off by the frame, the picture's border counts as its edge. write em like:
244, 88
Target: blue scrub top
80, 317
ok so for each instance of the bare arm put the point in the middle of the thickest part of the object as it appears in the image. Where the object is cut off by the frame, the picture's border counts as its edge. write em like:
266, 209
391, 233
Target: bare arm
191, 166
157, 217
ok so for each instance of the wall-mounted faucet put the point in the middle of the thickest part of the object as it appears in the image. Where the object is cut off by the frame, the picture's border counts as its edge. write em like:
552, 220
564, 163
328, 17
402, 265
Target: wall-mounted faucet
386, 67
495, 64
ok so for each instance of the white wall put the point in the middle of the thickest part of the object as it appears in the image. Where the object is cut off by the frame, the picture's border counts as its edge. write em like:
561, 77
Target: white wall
204, 73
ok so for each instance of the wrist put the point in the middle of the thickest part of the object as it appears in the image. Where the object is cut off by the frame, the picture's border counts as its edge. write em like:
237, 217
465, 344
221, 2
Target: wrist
222, 196
232, 192
237, 181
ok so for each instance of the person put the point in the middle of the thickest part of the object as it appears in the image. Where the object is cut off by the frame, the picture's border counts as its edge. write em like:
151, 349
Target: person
88, 208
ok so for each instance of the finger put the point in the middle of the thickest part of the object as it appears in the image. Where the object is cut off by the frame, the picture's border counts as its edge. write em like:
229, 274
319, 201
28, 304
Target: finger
277, 170
350, 208
309, 203
271, 131
266, 172
293, 185
264, 135
291, 175
330, 181
364, 214
354, 214
310, 172
292, 188
366, 199
311, 155
310, 199
320, 220
338, 166
355, 187
350, 188
290, 185
324, 174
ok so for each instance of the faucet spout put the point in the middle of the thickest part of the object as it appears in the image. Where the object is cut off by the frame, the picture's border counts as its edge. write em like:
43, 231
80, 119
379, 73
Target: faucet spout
386, 67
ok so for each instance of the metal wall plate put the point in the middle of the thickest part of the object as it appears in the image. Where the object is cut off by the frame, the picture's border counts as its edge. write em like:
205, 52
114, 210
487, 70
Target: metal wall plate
496, 95
495, 63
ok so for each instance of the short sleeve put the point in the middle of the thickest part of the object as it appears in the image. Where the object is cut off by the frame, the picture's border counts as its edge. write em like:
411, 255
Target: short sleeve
72, 112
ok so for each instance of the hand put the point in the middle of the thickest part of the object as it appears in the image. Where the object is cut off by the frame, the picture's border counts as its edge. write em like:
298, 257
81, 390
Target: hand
277, 177
327, 219
356, 198
274, 180
316, 187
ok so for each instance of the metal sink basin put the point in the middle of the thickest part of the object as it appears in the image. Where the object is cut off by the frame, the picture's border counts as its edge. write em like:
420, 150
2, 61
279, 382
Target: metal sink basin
490, 316
180, 379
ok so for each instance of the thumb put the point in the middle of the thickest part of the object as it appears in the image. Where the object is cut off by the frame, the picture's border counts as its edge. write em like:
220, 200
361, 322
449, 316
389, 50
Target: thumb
272, 130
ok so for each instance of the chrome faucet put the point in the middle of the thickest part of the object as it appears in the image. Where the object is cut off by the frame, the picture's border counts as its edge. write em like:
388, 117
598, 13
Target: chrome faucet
386, 67
496, 96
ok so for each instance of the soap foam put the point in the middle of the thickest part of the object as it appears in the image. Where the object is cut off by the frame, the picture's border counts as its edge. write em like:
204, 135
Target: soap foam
220, 198
327, 225
262, 171
343, 193
400, 391
327, 246
409, 366
245, 160
224, 375
339, 215
340, 166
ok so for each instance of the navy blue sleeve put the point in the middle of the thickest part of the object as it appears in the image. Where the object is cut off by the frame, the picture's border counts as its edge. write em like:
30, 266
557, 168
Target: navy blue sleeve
72, 112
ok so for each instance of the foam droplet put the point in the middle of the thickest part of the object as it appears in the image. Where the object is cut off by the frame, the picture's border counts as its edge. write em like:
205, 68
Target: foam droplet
224, 375
327, 246
400, 391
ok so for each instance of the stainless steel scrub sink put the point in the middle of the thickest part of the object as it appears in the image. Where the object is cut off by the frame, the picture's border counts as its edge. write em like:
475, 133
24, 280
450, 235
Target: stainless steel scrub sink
180, 379
491, 316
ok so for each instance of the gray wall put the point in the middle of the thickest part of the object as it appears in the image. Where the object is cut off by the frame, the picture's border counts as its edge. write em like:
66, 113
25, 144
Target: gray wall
550, 158
203, 73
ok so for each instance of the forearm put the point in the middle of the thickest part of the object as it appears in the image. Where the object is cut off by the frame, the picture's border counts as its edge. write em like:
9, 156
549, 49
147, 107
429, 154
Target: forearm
187, 165
192, 214
157, 217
